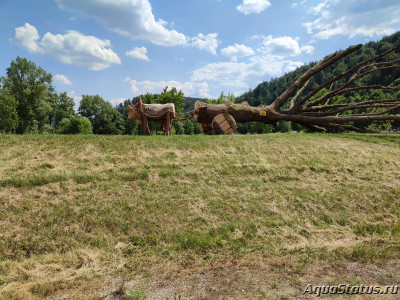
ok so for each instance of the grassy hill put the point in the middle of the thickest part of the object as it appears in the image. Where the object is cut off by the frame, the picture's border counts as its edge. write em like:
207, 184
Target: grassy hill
244, 217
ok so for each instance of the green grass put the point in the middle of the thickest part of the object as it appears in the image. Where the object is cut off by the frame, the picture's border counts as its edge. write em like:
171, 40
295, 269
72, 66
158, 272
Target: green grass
122, 205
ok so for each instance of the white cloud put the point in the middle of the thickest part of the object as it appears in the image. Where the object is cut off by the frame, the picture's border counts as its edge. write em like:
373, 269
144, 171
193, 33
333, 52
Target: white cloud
62, 79
284, 46
116, 101
195, 89
238, 77
139, 53
322, 6
207, 42
235, 74
26, 37
354, 17
253, 6
236, 51
70, 48
270, 61
132, 18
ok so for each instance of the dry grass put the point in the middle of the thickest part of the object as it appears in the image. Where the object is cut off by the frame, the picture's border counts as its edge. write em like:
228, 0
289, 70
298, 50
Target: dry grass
79, 214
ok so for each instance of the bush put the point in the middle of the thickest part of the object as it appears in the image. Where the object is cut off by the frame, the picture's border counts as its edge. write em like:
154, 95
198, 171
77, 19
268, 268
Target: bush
179, 129
283, 126
47, 128
75, 125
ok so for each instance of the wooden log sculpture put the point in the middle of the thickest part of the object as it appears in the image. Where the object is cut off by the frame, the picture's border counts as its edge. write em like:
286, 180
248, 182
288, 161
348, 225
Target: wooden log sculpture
222, 118
301, 105
143, 113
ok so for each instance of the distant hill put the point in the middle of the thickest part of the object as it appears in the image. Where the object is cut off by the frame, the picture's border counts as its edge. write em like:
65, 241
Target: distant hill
266, 92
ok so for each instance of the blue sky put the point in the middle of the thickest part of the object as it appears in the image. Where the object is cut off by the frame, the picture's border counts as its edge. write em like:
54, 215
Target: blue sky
123, 48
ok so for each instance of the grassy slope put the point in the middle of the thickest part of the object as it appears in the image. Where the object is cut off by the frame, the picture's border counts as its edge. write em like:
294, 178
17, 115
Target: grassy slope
76, 211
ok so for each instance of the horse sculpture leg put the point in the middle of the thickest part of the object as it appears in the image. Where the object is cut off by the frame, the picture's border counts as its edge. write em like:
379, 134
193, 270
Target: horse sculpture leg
163, 126
145, 126
168, 122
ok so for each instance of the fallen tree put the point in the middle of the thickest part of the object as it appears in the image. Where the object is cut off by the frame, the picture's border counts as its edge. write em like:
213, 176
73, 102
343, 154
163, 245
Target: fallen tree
316, 113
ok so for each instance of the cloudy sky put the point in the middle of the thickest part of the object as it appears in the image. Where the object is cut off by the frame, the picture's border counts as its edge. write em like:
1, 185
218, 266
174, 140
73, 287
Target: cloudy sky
123, 48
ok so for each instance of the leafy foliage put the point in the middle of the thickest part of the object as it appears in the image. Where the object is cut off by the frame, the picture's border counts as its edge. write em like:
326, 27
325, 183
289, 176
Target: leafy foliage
8, 112
32, 88
63, 108
75, 125
103, 117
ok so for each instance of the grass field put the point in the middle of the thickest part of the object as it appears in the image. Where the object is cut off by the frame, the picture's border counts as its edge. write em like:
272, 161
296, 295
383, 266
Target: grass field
201, 217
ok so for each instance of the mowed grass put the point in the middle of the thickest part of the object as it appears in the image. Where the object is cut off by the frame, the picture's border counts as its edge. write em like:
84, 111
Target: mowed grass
76, 210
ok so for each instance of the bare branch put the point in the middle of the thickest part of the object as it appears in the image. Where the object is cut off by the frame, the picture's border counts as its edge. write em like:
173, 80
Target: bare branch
276, 105
380, 113
343, 74
352, 107
321, 107
293, 100
343, 90
336, 119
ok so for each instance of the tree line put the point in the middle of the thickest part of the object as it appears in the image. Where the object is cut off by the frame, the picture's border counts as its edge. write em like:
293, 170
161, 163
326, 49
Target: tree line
30, 104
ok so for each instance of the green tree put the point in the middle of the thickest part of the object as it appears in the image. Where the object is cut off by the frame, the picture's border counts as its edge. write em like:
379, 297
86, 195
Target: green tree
31, 87
222, 99
123, 108
149, 98
63, 108
172, 96
8, 112
91, 106
103, 117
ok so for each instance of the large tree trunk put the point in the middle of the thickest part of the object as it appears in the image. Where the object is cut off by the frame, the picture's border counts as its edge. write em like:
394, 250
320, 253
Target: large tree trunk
242, 113
211, 117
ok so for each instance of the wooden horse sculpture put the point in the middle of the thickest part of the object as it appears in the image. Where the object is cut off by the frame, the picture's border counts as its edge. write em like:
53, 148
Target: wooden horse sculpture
143, 113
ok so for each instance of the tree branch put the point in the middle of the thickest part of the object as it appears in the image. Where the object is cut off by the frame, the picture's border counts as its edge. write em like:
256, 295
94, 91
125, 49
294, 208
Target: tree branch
341, 75
343, 90
276, 105
351, 107
321, 107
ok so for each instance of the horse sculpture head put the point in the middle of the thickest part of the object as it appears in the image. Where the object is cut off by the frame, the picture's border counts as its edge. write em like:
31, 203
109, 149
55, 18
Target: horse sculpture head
134, 113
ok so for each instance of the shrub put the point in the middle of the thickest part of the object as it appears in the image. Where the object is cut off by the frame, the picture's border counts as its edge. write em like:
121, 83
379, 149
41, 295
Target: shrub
75, 125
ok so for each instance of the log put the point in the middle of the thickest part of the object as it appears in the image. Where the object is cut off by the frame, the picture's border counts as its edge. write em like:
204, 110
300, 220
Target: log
205, 113
223, 124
